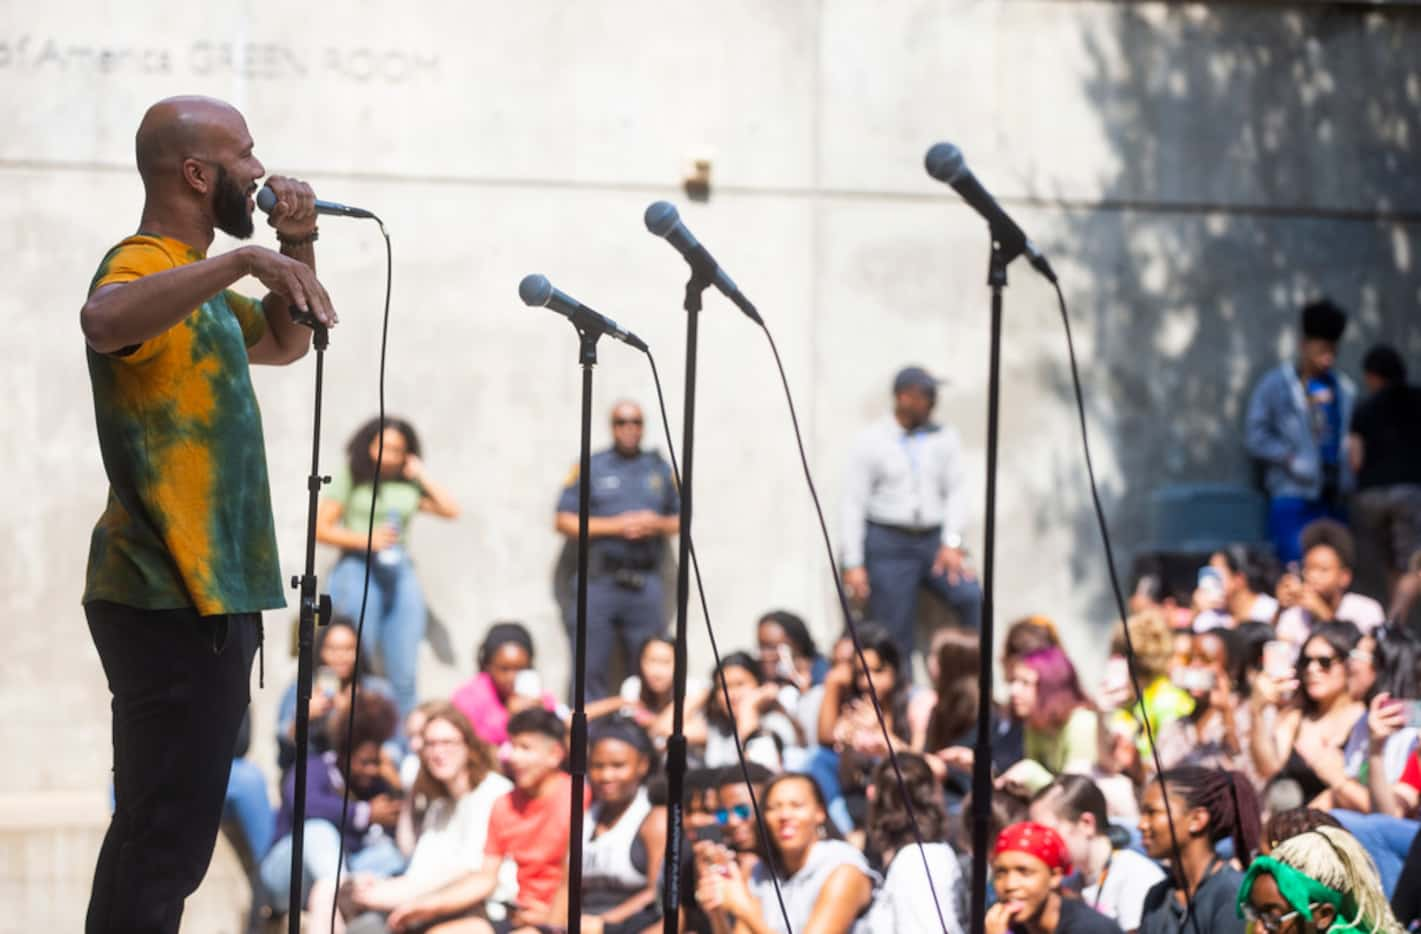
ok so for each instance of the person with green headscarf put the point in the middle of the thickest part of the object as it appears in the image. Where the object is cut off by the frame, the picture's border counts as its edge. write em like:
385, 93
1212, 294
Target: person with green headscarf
1319, 880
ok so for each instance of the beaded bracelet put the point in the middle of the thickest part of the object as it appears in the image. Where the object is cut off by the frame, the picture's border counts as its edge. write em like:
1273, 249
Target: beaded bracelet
310, 238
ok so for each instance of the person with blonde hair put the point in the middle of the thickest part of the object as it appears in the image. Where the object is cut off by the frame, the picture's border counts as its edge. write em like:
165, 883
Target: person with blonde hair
1318, 880
1159, 701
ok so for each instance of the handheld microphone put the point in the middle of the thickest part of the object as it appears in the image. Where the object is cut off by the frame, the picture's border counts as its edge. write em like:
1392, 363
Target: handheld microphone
945, 163
535, 289
266, 200
663, 220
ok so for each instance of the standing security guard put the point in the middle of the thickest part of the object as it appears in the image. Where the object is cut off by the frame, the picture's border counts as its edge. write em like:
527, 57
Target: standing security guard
634, 508
904, 510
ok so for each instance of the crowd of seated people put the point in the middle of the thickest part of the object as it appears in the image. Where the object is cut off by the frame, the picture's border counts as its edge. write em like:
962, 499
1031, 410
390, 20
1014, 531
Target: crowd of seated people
1249, 744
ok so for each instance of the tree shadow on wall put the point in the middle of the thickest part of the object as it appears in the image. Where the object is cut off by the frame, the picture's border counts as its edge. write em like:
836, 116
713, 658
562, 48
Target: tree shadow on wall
1263, 156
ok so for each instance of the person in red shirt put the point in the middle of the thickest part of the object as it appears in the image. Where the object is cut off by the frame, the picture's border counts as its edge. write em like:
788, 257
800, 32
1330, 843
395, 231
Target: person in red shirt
529, 825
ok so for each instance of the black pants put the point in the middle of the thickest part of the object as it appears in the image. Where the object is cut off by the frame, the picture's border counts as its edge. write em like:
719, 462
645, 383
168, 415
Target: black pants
180, 685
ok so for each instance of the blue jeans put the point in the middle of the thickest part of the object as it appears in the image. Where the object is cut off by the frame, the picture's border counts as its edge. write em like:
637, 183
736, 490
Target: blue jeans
1287, 515
1387, 839
320, 852
395, 617
248, 804
823, 767
899, 564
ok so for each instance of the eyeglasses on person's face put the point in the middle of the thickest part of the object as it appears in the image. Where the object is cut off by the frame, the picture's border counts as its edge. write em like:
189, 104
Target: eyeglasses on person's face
620, 422
1267, 920
443, 743
739, 812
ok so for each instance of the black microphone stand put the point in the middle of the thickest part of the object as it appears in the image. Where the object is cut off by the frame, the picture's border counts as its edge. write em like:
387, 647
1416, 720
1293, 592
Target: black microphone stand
982, 757
313, 607
702, 275
577, 764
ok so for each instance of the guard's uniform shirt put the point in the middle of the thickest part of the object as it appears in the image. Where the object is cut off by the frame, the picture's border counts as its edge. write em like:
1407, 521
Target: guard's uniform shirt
625, 597
621, 485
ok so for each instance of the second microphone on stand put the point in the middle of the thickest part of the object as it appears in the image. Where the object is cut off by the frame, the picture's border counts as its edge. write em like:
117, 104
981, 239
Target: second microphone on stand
536, 290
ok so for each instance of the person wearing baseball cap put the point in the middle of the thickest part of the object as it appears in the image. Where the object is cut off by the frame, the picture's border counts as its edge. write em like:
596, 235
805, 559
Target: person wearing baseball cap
904, 512
1028, 863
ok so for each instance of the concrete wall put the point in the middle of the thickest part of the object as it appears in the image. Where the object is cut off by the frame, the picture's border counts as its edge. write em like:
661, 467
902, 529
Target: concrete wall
1194, 171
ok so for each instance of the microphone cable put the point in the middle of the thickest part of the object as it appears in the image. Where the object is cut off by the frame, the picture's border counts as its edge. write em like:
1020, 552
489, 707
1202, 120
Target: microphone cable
1190, 916
852, 629
764, 834
365, 592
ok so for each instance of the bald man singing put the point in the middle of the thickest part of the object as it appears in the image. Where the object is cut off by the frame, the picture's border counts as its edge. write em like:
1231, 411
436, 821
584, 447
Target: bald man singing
183, 559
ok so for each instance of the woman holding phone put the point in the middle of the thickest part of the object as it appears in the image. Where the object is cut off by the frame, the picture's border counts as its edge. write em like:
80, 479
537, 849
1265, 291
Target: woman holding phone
394, 603
1216, 733
1310, 731
506, 683
338, 668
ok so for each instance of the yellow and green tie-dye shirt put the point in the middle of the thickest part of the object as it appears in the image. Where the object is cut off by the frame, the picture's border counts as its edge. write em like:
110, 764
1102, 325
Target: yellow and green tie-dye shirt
188, 521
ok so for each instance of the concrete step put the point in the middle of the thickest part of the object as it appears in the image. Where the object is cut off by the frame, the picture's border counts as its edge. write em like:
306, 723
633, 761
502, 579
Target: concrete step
48, 844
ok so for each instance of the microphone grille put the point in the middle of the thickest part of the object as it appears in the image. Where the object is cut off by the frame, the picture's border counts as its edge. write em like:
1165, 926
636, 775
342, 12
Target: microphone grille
945, 163
266, 199
535, 289
661, 218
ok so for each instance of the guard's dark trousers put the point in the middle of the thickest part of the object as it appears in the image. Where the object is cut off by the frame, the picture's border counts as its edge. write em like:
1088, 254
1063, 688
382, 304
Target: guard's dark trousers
180, 685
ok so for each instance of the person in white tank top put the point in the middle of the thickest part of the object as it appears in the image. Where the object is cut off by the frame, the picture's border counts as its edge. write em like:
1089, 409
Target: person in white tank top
624, 836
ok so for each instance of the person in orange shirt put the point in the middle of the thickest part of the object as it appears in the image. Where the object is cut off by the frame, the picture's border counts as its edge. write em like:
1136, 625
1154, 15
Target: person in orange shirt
183, 559
530, 825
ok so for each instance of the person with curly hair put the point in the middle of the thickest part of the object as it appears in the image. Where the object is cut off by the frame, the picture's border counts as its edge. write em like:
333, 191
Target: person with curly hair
394, 601
1160, 702
912, 880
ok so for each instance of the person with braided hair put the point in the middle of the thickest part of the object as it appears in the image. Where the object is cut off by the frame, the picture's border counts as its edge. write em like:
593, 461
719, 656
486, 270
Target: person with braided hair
1318, 880
1204, 807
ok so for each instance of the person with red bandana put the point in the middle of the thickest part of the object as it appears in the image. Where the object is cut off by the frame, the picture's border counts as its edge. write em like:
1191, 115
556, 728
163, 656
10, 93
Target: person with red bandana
1028, 863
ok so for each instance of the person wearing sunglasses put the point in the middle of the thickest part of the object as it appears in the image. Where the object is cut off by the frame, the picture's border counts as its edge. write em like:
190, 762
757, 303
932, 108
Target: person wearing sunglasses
1319, 880
1306, 744
634, 509
736, 813
825, 884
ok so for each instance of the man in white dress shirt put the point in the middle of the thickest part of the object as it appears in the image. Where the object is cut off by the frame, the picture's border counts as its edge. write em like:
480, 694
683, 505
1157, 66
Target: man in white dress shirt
904, 510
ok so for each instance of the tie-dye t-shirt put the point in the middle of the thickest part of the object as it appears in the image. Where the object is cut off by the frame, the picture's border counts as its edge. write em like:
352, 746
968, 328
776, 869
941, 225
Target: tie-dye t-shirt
188, 521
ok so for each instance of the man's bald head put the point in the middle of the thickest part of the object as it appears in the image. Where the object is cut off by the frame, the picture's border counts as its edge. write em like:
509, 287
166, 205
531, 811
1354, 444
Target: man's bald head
195, 157
626, 427
177, 128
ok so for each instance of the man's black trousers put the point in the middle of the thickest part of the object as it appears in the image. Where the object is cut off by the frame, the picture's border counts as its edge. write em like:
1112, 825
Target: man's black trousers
180, 684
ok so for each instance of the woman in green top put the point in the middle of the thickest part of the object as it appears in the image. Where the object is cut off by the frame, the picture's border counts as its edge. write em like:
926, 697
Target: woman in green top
1319, 880
396, 612
1062, 729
